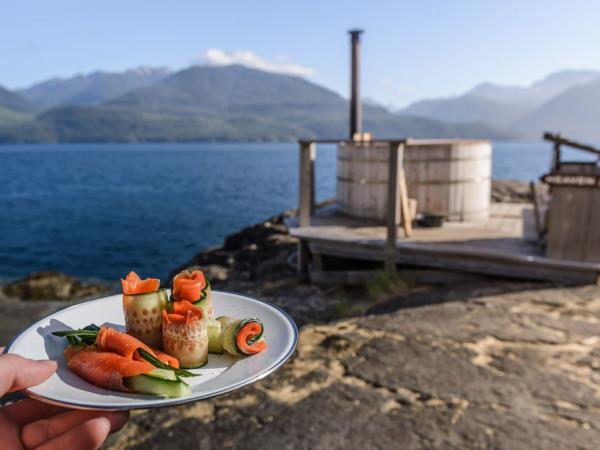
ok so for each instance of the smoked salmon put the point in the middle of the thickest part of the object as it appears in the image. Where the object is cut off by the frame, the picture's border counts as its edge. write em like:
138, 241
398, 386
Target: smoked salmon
111, 340
185, 334
133, 284
242, 337
195, 288
105, 369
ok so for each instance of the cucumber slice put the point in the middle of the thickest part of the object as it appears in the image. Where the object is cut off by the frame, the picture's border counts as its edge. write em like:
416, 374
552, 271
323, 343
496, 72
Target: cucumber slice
145, 384
143, 316
205, 302
228, 330
214, 336
188, 342
163, 374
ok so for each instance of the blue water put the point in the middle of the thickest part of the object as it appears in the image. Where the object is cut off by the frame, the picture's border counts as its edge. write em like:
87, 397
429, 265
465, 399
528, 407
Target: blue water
100, 210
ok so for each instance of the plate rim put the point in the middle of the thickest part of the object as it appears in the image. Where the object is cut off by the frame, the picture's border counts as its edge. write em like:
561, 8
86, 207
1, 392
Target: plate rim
175, 401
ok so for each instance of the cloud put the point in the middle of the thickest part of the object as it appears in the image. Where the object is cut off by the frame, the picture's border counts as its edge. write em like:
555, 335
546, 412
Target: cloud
219, 57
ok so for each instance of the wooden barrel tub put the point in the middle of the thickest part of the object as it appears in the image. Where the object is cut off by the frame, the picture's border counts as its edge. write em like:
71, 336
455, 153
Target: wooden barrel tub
446, 177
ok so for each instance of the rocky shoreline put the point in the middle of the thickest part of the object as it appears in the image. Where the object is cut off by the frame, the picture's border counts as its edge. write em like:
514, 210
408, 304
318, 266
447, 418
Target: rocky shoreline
392, 363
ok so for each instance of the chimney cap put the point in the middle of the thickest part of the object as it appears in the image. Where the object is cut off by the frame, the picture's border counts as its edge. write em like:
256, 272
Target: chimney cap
355, 31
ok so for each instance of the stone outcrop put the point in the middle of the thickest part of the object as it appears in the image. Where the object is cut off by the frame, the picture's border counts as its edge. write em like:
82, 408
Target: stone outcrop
51, 286
515, 191
508, 371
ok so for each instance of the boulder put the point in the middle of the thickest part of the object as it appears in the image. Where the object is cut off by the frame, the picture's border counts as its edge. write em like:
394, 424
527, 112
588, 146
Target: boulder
515, 191
51, 286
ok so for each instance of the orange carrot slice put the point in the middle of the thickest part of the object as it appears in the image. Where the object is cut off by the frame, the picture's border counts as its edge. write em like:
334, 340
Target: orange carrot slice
133, 284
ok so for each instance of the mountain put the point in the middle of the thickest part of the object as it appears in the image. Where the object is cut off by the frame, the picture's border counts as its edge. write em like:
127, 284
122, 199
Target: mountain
575, 113
13, 108
91, 89
232, 103
466, 108
497, 104
539, 92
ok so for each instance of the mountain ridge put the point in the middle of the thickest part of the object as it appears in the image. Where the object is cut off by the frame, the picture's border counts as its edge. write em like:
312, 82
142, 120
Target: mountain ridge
500, 105
91, 88
226, 103
580, 104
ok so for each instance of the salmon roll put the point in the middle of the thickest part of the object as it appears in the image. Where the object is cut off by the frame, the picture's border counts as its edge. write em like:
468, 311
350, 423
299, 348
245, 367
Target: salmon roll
241, 337
195, 288
185, 334
143, 304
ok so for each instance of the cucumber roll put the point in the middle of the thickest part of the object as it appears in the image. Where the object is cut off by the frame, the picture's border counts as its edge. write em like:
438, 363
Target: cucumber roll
242, 336
185, 334
214, 336
143, 304
195, 288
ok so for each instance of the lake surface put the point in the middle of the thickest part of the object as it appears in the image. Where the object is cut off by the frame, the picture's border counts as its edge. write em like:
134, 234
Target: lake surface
100, 210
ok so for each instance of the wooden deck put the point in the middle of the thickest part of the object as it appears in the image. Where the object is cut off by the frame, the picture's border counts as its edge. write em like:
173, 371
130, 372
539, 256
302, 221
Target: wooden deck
502, 245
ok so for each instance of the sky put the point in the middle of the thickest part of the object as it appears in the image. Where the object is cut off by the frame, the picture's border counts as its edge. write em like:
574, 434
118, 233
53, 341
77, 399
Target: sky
410, 49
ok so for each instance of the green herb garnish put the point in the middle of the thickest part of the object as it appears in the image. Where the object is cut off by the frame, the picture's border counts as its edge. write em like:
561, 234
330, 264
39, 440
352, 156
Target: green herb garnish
161, 365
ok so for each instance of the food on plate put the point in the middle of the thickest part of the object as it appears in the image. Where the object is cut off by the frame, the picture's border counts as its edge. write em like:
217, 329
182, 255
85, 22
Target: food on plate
185, 334
113, 360
215, 344
182, 327
242, 336
195, 288
143, 304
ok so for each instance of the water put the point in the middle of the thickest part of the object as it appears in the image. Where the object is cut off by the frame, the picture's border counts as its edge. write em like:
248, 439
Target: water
99, 210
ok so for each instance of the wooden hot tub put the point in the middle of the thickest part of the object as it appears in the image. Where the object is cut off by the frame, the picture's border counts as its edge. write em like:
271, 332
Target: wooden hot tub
446, 177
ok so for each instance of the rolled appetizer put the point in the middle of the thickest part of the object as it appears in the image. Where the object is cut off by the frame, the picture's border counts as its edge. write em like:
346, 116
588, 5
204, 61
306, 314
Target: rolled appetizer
242, 336
143, 304
185, 334
214, 336
113, 360
195, 288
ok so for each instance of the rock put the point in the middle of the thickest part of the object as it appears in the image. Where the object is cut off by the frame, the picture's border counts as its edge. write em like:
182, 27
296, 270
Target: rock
496, 370
514, 191
51, 286
256, 253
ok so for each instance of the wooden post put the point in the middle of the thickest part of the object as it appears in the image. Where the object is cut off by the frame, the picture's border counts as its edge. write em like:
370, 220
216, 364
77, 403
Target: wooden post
404, 206
556, 157
307, 182
396, 160
536, 211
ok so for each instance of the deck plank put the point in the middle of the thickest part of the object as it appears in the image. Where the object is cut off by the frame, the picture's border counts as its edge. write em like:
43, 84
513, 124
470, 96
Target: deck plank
501, 245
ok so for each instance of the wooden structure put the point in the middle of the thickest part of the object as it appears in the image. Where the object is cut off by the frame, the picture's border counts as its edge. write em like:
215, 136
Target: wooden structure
397, 210
573, 228
450, 178
503, 244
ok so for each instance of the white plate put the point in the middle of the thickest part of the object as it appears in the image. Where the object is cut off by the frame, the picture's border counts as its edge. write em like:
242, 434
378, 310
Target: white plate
222, 374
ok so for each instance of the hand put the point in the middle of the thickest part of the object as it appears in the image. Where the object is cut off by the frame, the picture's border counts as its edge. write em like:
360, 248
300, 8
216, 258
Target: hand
29, 424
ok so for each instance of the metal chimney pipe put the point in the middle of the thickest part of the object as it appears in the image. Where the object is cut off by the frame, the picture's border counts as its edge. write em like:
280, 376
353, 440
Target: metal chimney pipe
355, 106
